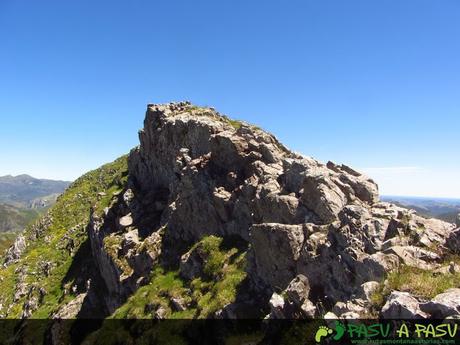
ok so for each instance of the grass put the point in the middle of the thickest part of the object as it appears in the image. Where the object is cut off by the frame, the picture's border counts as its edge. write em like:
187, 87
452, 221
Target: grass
112, 244
203, 111
422, 283
6, 240
163, 286
235, 123
224, 270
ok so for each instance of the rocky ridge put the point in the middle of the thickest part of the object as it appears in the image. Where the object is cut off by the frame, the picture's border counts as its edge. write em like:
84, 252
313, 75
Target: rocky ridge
197, 173
315, 238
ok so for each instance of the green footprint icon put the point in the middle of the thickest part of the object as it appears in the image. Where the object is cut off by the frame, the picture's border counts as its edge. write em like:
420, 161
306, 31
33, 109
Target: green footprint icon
339, 330
322, 331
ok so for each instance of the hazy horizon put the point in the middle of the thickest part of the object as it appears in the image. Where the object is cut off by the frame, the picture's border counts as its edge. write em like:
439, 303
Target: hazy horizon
384, 195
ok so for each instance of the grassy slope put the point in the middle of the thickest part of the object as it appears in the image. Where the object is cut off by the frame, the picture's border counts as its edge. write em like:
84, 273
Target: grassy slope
6, 240
223, 272
68, 219
16, 219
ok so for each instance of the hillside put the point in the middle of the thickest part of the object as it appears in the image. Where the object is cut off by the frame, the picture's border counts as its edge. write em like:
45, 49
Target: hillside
24, 198
27, 191
15, 219
215, 218
444, 209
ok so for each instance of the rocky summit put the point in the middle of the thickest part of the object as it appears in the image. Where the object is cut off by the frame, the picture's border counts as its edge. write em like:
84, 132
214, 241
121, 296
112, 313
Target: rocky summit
214, 218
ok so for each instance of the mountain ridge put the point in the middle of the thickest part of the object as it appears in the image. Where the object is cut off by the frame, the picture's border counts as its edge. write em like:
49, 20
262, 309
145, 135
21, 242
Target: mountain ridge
21, 190
24, 198
212, 218
445, 209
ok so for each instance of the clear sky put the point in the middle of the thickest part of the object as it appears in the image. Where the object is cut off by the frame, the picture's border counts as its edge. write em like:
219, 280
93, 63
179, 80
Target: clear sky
372, 84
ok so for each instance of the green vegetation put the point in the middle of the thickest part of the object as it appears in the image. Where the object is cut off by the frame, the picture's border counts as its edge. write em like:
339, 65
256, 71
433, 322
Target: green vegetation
234, 123
6, 240
112, 244
206, 111
63, 224
423, 283
223, 271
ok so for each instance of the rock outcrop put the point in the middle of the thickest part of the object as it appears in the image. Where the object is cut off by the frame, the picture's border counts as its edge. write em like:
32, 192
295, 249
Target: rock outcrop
401, 305
316, 239
196, 173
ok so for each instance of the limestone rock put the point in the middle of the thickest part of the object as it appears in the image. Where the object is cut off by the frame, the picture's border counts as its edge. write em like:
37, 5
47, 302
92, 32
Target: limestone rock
179, 304
15, 251
345, 310
71, 309
276, 248
453, 242
192, 262
126, 220
276, 306
368, 289
443, 305
298, 289
402, 305
308, 309
415, 256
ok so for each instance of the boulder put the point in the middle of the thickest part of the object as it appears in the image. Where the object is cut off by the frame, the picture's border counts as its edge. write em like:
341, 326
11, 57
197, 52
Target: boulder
443, 305
179, 303
191, 264
126, 221
330, 316
276, 249
15, 251
131, 239
402, 305
349, 308
298, 289
276, 304
453, 242
322, 195
308, 309
415, 256
368, 289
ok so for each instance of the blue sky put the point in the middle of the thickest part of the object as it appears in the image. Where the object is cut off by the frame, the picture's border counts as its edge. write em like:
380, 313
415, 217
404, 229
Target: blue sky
372, 84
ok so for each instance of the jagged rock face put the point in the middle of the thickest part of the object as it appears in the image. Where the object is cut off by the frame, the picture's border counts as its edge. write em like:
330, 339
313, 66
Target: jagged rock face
14, 252
214, 178
197, 173
221, 179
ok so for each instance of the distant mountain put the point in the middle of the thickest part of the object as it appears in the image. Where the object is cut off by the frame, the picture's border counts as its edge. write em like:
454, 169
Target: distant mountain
23, 198
27, 191
440, 208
